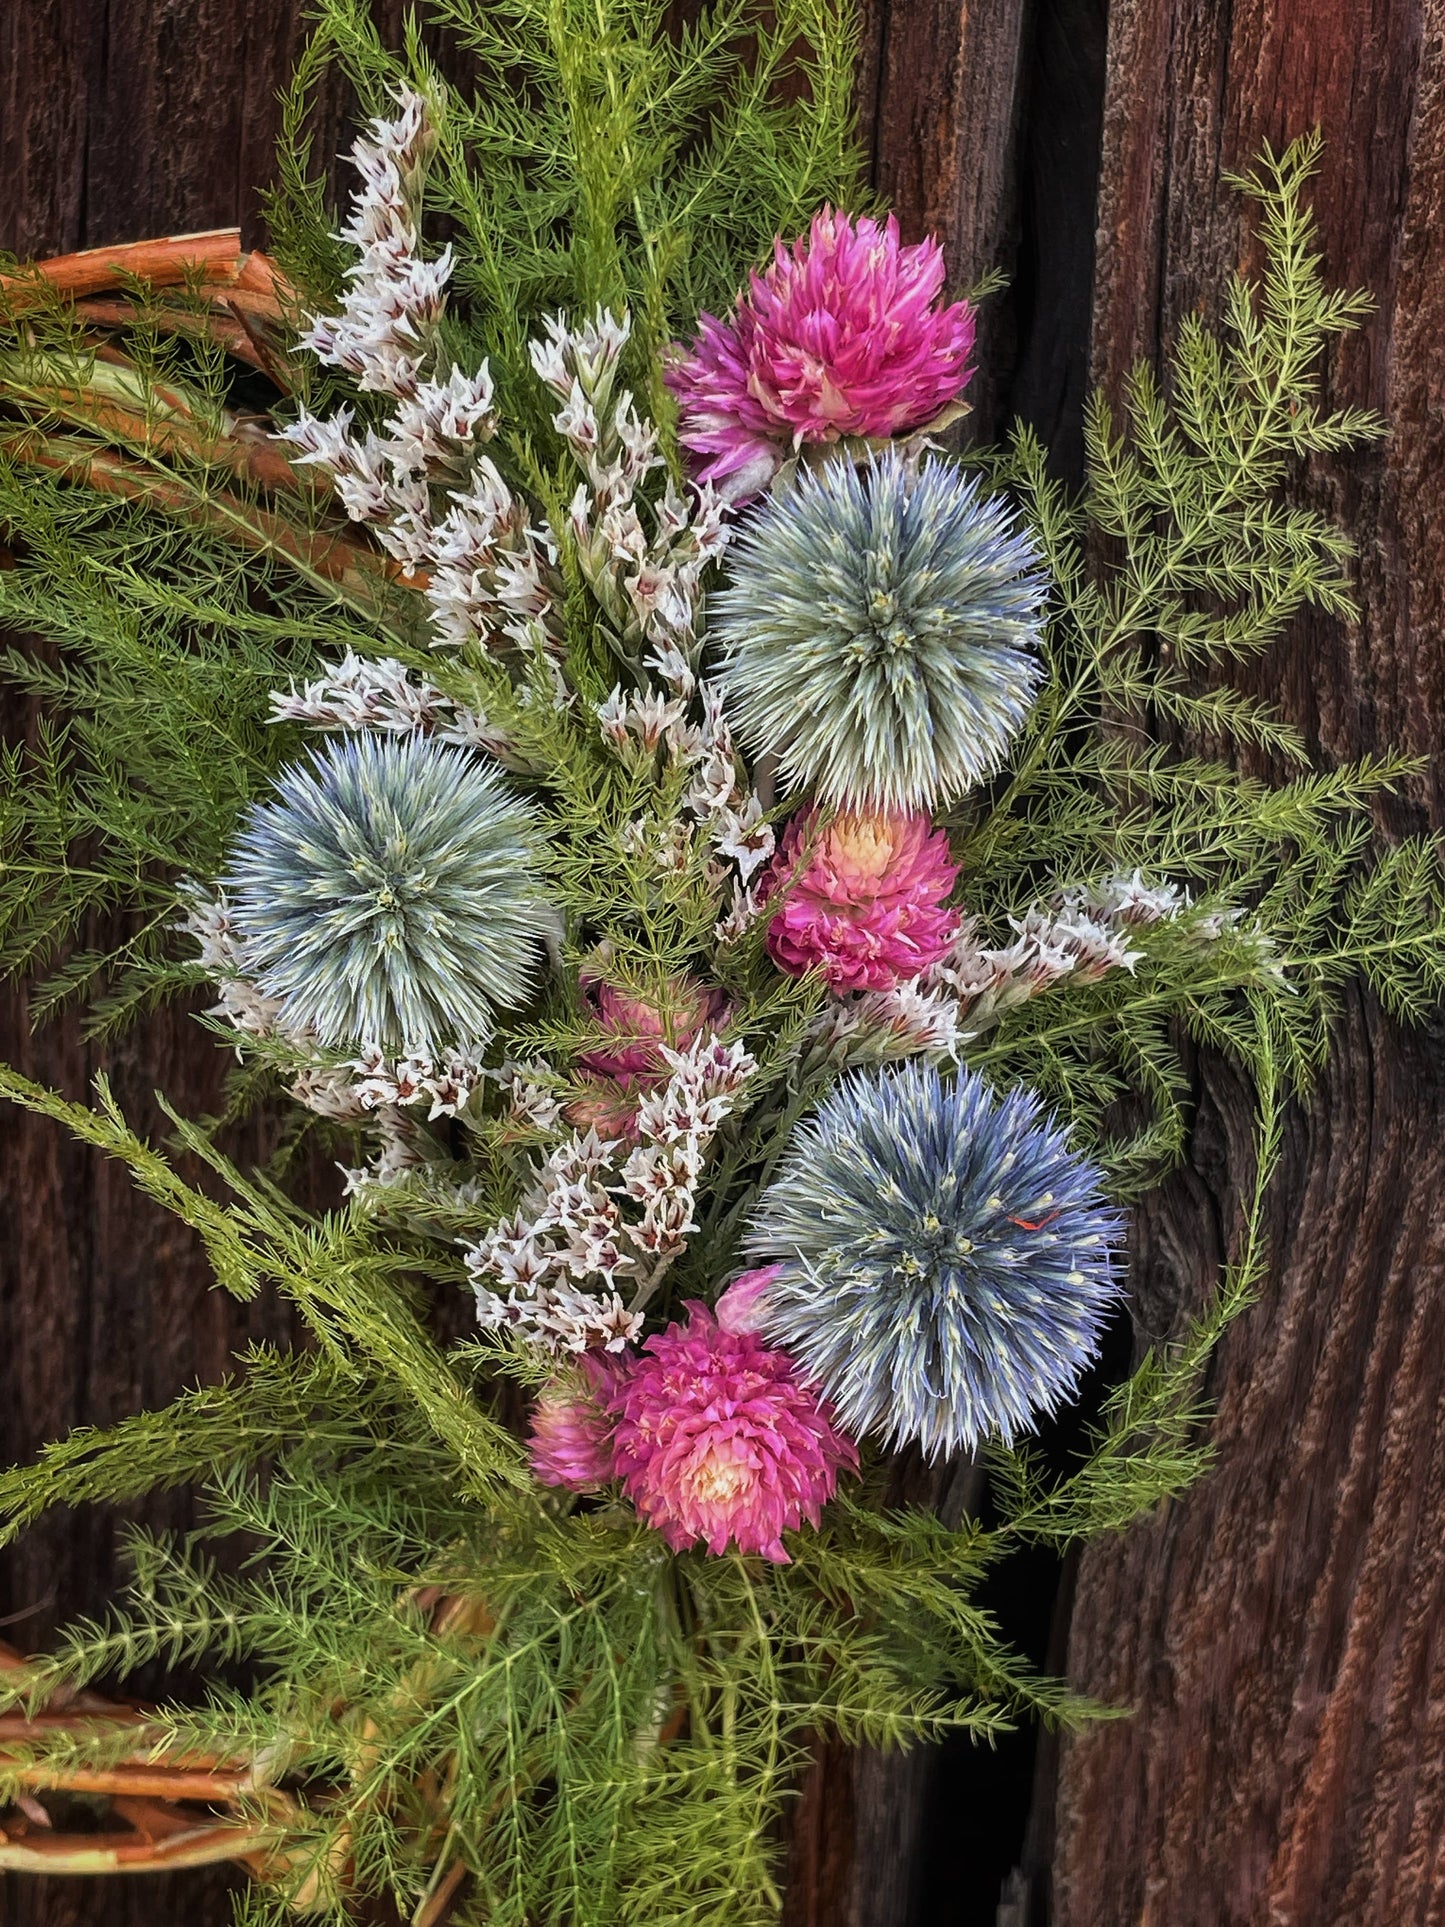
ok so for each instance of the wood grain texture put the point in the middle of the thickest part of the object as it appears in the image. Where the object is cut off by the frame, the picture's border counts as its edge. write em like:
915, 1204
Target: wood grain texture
1281, 1634
118, 119
940, 92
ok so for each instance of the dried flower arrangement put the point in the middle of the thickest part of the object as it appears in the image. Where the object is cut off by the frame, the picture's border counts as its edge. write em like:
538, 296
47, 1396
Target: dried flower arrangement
688, 844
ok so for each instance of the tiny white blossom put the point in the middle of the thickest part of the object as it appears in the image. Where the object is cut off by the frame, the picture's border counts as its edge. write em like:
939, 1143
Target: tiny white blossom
666, 1222
223, 958
329, 1092
572, 1220
612, 715
443, 418
906, 1021
744, 835
1097, 947
637, 438
714, 786
365, 479
588, 354
379, 693
744, 910
467, 534
535, 1106
621, 530
1128, 899
328, 443
576, 421
400, 1154
666, 660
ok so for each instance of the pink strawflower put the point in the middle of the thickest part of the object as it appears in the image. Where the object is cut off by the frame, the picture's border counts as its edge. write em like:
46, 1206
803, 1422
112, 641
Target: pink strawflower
719, 1439
627, 1061
864, 900
739, 1310
842, 335
570, 1438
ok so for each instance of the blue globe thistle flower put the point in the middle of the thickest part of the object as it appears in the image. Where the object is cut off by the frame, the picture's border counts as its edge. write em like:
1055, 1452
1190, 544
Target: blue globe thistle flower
878, 626
947, 1262
385, 893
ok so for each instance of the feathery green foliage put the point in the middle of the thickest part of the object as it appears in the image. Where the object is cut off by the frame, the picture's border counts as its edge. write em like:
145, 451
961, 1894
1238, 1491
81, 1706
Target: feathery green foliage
548, 1687
177, 603
1179, 560
598, 159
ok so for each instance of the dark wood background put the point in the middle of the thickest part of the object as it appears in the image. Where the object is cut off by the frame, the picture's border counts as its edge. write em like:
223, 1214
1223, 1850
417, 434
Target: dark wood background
1280, 1635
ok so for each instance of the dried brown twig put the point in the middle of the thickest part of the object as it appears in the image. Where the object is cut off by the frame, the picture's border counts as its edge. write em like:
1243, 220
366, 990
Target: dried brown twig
168, 1807
123, 433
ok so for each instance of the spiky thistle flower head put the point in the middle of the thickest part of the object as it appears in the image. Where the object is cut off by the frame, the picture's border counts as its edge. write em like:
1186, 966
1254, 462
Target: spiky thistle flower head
844, 333
946, 1261
386, 894
878, 625
719, 1439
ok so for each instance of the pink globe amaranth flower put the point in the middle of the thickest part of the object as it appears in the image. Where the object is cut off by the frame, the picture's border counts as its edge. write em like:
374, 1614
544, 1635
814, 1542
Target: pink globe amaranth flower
740, 1309
719, 1439
627, 1061
862, 900
570, 1437
842, 335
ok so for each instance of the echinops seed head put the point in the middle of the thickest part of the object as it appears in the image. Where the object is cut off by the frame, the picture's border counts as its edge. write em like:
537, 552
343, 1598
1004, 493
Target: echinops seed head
879, 626
386, 894
945, 1261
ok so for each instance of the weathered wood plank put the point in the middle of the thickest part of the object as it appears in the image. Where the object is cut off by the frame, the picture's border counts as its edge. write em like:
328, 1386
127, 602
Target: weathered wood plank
1281, 1634
117, 121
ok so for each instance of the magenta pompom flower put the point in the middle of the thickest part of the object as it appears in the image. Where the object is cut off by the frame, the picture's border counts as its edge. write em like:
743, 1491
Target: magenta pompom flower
842, 335
626, 1060
570, 1439
740, 1309
719, 1439
864, 900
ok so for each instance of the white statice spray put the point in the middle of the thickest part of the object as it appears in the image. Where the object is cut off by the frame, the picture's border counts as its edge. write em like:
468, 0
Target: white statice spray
1083, 933
385, 1096
493, 576
533, 1104
575, 1266
393, 1096
211, 922
443, 1085
437, 504
1126, 898
393, 302
380, 694
727, 812
644, 560
1077, 933
885, 1026
403, 1150
730, 812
